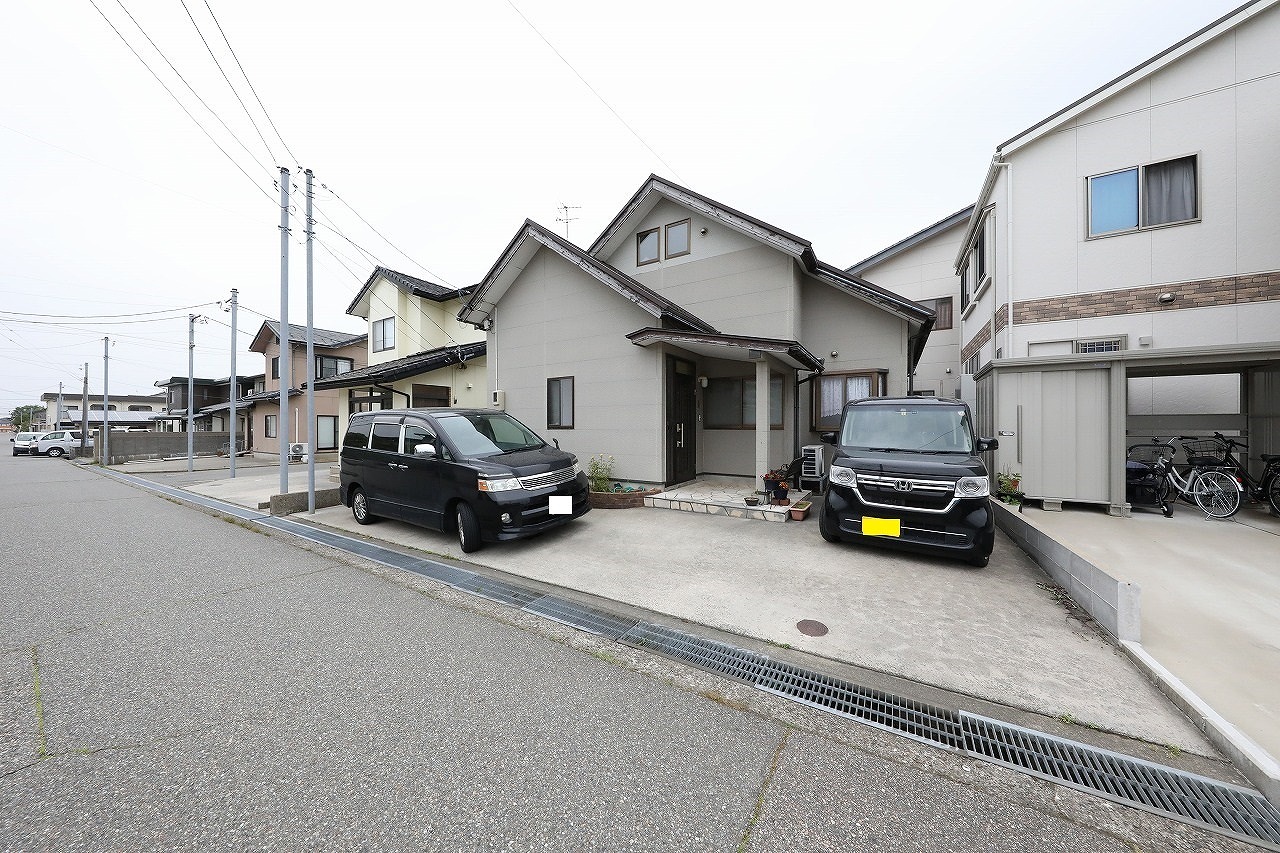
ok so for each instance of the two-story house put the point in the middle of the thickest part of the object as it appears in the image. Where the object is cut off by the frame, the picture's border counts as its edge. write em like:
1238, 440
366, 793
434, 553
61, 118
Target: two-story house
335, 353
689, 339
419, 354
1120, 271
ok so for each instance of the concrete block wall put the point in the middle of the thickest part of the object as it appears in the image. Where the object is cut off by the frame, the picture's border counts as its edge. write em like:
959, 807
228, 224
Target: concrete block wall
127, 446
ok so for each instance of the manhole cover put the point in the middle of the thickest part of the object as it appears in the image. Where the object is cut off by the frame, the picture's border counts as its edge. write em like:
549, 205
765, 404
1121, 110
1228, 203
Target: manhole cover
810, 628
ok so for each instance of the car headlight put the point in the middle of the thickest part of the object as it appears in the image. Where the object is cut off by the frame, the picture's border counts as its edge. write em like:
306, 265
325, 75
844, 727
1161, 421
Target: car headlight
973, 487
504, 484
577, 469
843, 476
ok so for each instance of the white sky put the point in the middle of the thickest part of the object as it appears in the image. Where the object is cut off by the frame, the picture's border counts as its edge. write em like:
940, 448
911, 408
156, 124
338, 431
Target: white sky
852, 124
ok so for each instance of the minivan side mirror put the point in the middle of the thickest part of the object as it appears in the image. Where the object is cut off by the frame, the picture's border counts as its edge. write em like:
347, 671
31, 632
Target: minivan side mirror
985, 444
424, 450
828, 438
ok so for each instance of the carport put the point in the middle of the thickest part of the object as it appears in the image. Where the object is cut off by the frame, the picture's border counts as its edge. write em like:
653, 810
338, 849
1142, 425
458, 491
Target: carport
1065, 422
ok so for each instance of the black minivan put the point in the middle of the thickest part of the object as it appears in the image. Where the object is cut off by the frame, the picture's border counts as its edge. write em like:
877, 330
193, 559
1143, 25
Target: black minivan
478, 472
907, 474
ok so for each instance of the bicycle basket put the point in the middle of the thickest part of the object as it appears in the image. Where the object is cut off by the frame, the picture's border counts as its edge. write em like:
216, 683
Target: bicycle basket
1149, 453
1205, 451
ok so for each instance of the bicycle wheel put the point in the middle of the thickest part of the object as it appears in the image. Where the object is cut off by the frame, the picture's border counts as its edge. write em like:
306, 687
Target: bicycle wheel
1217, 494
1273, 495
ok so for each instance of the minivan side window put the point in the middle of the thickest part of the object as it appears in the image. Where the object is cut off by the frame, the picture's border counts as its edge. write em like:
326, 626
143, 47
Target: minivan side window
385, 437
415, 434
357, 435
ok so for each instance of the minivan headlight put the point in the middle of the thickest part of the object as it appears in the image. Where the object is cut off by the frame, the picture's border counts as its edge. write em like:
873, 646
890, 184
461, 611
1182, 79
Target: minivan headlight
973, 487
843, 476
577, 469
504, 484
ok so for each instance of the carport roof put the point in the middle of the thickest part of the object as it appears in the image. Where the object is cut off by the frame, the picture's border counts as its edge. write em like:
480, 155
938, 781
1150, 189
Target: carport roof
1174, 361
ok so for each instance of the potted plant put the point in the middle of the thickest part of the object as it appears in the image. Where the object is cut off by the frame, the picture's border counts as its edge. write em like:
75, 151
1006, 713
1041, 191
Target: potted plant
776, 484
1007, 483
799, 510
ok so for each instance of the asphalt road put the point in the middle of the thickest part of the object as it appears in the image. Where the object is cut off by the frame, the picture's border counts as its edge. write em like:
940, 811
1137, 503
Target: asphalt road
170, 679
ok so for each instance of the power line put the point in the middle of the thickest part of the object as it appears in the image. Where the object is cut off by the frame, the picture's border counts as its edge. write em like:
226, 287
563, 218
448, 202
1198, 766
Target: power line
249, 82
107, 316
600, 97
384, 237
248, 115
176, 100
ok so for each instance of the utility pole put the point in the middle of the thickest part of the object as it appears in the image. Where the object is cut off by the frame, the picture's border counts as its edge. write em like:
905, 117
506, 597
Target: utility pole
235, 380
58, 425
566, 218
192, 319
106, 426
282, 431
84, 411
311, 366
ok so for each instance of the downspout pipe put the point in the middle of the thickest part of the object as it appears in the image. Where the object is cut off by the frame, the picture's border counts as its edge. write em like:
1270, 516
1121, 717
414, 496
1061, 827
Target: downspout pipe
795, 406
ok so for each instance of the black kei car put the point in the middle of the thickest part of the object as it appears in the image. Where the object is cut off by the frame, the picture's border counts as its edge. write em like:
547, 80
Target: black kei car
477, 472
907, 474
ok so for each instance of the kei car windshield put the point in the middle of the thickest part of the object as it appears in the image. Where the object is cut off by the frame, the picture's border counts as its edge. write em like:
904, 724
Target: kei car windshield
487, 433
924, 429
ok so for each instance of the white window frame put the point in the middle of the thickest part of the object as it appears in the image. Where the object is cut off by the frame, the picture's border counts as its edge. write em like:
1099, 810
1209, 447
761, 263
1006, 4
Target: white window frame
1082, 346
380, 340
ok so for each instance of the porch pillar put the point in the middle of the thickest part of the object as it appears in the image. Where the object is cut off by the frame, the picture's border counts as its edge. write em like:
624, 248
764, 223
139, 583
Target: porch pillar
762, 416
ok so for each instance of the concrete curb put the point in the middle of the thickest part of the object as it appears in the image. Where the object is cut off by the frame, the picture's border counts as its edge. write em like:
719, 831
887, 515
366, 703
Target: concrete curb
1252, 760
1114, 605
297, 501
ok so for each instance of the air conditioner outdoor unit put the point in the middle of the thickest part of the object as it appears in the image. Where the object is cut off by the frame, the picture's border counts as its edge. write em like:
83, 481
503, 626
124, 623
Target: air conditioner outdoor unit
299, 450
814, 464
500, 400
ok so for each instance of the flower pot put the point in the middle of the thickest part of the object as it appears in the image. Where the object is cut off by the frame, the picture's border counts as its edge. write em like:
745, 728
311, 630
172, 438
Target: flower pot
799, 510
752, 501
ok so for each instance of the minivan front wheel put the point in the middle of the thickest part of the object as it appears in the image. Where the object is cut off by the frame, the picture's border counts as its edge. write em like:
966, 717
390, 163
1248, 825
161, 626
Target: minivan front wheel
360, 507
468, 529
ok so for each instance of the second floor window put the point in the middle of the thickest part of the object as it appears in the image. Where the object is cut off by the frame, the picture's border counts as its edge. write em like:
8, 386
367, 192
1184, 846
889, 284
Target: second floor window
327, 366
1143, 197
942, 308
384, 334
275, 367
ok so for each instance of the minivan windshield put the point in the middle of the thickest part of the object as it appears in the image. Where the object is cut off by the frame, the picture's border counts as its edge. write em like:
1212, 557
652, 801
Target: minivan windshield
487, 433
923, 429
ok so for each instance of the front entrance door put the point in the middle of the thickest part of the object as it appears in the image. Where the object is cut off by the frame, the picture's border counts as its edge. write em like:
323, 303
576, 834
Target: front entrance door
682, 427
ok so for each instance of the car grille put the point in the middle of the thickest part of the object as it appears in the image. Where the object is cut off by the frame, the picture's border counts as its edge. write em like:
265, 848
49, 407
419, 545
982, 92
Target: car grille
906, 492
550, 478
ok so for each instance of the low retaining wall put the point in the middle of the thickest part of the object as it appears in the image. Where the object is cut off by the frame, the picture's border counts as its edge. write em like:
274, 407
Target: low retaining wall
1114, 605
128, 446
621, 500
297, 501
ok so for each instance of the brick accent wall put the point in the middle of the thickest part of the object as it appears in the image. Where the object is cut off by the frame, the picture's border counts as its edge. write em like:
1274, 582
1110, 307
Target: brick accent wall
976, 342
1205, 293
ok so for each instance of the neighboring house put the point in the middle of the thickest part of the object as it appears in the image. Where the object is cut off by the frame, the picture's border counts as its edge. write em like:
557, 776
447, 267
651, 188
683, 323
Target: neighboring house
650, 346
136, 411
1120, 272
206, 393
922, 268
420, 355
335, 353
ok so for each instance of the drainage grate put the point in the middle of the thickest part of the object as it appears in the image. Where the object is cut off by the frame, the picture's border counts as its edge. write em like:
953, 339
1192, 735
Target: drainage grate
584, 618
938, 726
1195, 799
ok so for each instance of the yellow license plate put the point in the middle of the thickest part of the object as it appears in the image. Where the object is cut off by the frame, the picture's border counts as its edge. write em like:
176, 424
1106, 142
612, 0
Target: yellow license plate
881, 526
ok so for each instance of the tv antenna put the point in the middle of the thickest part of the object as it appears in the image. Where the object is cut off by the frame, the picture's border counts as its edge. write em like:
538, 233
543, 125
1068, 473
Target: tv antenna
565, 217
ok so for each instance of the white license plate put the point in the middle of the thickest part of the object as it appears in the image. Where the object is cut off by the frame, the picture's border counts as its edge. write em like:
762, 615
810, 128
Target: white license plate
560, 504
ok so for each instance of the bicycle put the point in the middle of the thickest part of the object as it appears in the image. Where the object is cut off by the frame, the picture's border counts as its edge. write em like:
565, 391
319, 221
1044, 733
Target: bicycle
1265, 488
1215, 492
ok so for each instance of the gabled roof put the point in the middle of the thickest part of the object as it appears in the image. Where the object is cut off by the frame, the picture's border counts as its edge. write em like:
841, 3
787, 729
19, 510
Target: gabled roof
326, 338
919, 318
249, 400
914, 240
654, 189
403, 368
528, 240
419, 287
1135, 75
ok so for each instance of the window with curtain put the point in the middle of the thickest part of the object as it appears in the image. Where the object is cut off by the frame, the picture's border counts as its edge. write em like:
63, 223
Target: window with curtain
730, 402
833, 390
327, 366
384, 334
270, 426
942, 308
1143, 197
326, 432
560, 403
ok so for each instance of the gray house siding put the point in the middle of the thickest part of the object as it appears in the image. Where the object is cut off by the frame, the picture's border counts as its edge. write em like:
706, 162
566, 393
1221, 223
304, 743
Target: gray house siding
554, 321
